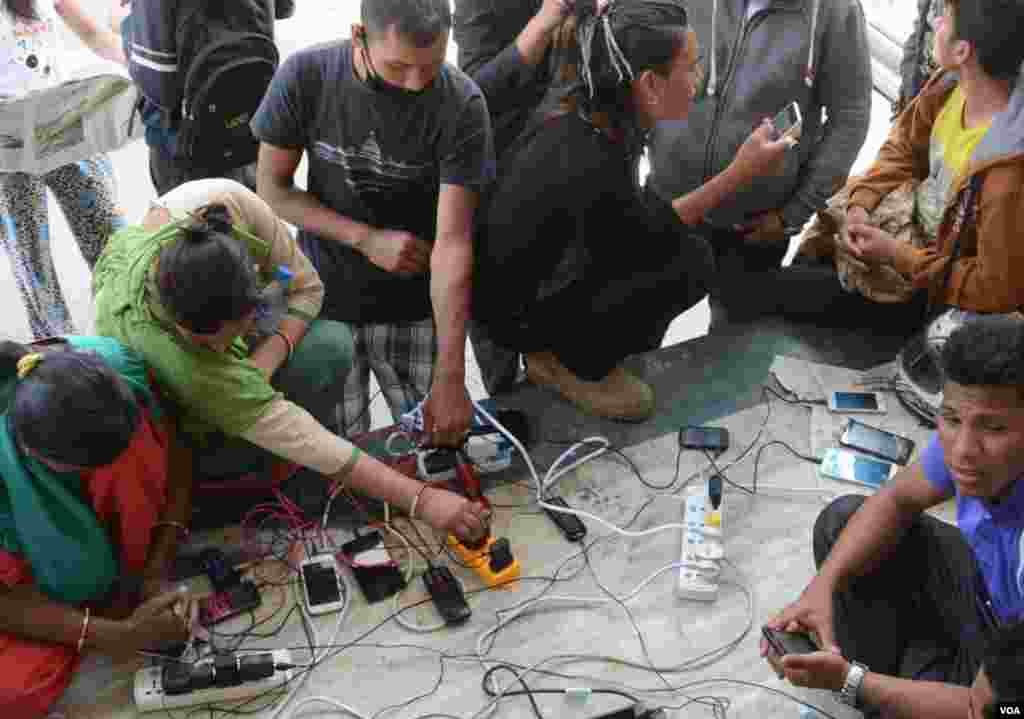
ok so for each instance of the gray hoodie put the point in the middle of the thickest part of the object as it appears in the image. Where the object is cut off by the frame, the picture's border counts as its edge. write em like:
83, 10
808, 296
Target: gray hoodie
814, 52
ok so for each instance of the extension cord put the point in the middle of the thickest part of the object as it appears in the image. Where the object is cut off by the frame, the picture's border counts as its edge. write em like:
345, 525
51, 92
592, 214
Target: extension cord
149, 694
479, 561
702, 548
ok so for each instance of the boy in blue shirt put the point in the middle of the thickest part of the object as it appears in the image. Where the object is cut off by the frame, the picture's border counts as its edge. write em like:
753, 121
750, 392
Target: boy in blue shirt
904, 604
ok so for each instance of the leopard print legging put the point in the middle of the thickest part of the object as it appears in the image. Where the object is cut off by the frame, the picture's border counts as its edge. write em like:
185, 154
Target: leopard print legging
87, 193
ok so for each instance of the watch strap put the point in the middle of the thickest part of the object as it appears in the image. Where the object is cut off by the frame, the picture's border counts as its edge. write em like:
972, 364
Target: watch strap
850, 693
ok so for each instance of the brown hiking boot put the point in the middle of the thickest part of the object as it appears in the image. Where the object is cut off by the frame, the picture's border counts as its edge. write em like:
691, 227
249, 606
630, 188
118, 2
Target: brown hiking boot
620, 395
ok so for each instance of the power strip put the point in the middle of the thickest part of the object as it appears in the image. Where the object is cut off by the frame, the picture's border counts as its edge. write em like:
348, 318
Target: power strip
702, 547
149, 693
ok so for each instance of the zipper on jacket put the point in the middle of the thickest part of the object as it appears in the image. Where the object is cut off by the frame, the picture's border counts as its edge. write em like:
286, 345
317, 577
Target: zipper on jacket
747, 28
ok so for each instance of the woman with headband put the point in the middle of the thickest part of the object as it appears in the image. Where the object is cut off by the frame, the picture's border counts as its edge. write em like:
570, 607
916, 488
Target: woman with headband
92, 506
577, 267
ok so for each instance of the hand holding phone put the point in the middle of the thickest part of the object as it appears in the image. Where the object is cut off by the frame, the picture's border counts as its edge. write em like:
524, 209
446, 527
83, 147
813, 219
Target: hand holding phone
789, 122
785, 643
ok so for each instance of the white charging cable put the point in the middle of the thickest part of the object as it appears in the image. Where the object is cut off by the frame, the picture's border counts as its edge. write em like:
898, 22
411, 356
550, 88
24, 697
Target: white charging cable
553, 475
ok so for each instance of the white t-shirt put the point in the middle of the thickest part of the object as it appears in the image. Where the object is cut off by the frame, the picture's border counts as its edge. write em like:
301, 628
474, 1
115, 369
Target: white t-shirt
29, 51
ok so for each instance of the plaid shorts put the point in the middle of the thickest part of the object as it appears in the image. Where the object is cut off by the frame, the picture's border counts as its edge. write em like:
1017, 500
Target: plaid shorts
401, 357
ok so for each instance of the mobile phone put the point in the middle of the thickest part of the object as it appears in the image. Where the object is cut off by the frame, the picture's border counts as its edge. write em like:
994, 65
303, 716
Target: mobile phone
849, 466
788, 120
377, 576
242, 597
885, 445
715, 439
447, 594
321, 586
572, 526
849, 402
783, 643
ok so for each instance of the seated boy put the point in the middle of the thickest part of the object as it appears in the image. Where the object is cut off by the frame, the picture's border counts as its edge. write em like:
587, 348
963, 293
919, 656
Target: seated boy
958, 149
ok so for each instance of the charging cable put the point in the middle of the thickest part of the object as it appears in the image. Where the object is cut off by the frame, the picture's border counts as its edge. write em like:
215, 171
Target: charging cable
554, 475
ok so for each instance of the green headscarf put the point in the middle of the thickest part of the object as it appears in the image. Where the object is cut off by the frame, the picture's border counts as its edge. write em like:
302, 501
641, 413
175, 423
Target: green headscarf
45, 516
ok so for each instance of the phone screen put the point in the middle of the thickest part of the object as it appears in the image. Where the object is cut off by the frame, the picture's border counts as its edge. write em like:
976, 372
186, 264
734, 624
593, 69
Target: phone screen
321, 583
705, 438
787, 119
855, 401
854, 468
876, 441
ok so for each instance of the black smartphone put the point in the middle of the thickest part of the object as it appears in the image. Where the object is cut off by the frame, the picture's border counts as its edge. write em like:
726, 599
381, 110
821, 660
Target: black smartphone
572, 526
884, 445
783, 643
378, 578
447, 594
242, 597
713, 439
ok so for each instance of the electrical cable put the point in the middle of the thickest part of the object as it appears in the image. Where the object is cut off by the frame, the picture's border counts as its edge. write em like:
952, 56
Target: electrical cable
527, 692
553, 475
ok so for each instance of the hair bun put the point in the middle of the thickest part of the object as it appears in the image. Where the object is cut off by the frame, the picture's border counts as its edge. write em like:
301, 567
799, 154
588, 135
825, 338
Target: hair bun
218, 218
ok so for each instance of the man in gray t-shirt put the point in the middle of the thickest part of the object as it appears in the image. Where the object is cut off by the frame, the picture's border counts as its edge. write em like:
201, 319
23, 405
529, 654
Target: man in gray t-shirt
399, 148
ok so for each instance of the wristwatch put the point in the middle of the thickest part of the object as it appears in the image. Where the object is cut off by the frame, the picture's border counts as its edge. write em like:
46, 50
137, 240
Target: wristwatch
850, 693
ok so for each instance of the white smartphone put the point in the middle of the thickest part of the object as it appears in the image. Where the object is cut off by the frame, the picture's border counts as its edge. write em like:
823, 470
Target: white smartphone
321, 585
856, 402
788, 121
842, 464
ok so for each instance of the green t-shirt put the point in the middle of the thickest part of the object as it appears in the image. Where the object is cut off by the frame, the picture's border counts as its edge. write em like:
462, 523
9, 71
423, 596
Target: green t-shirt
211, 391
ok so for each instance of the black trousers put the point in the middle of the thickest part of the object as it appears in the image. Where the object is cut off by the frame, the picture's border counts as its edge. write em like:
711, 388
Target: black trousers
622, 306
752, 283
920, 614
167, 173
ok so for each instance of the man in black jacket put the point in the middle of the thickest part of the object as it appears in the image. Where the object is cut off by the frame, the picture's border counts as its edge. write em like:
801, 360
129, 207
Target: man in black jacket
505, 46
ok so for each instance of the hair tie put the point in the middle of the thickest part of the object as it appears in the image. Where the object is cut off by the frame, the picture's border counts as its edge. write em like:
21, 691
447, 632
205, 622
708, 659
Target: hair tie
28, 363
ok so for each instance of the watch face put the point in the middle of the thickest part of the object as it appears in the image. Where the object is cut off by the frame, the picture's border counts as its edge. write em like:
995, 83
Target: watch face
850, 694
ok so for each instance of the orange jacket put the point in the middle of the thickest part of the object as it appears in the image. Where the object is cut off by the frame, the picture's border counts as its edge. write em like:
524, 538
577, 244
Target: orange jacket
988, 274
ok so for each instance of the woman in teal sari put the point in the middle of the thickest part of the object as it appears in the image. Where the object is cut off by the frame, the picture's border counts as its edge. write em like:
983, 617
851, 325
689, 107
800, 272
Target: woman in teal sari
92, 504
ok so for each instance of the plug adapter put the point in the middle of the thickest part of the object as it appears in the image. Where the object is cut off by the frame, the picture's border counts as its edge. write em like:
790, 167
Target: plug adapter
479, 560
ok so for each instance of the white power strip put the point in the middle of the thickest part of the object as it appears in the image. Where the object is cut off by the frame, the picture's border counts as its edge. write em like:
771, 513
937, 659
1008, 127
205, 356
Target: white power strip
149, 692
702, 548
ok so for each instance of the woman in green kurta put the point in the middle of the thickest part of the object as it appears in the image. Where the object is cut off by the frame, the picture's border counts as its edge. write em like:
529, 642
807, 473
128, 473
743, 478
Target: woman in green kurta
183, 290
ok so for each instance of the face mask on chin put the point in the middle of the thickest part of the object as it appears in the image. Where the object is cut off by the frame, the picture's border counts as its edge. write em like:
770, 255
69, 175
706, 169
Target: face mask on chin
378, 84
